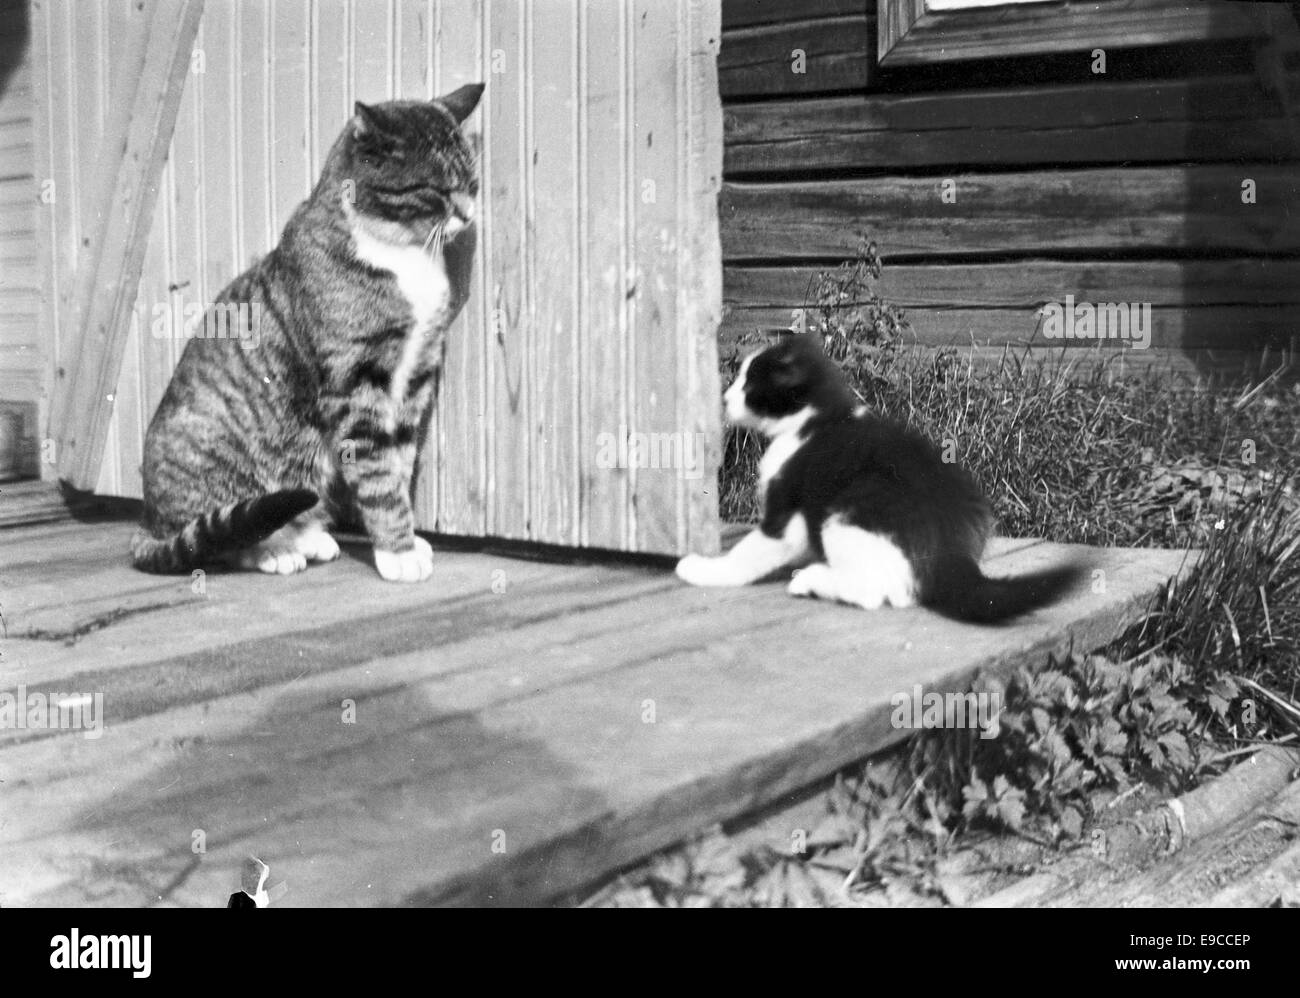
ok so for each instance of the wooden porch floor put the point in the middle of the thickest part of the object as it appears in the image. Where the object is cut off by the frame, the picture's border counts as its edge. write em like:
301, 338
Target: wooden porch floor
502, 750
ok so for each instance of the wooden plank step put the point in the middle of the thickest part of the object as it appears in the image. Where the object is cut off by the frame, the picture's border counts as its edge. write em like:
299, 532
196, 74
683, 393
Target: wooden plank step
519, 720
1203, 119
1157, 208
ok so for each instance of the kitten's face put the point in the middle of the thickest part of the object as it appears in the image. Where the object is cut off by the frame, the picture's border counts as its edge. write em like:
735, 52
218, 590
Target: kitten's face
778, 383
413, 171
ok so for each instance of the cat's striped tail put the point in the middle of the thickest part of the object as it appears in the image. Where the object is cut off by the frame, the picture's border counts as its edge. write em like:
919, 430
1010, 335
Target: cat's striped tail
237, 525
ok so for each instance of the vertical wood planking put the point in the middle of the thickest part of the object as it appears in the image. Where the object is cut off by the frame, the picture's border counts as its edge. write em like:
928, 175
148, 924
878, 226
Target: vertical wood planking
412, 72
123, 34
331, 77
43, 163
157, 349
22, 360
699, 270
509, 299
253, 163
185, 215
290, 177
372, 48
555, 259
455, 464
605, 269
45, 27
221, 125
92, 82
656, 494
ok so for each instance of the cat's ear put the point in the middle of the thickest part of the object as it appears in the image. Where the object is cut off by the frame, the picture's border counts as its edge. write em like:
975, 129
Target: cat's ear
788, 371
366, 122
462, 101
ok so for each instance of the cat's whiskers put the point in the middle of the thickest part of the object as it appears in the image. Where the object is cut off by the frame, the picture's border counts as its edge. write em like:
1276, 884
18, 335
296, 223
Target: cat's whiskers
433, 244
441, 232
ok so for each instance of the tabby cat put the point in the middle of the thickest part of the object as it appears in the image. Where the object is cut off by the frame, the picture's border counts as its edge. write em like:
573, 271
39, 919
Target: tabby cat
869, 508
254, 453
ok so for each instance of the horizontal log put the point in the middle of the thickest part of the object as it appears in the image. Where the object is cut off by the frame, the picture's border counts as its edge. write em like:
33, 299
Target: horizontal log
1225, 365
1030, 283
1137, 208
1243, 328
762, 60
747, 13
1198, 119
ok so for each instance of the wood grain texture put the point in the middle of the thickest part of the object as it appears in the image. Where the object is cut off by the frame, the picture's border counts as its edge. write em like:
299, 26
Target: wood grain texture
1139, 208
911, 34
1033, 282
458, 740
795, 57
456, 464
1210, 119
115, 257
656, 154
699, 276
22, 358
1233, 327
1180, 367
29, 502
608, 278
510, 294
553, 219
747, 13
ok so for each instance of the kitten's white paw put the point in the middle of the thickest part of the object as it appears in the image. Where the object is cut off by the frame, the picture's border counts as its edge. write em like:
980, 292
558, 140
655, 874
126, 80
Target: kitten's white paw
317, 545
700, 570
414, 565
809, 581
273, 559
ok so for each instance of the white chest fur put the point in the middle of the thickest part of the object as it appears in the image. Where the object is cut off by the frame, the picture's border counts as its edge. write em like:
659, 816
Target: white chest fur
777, 453
422, 279
785, 441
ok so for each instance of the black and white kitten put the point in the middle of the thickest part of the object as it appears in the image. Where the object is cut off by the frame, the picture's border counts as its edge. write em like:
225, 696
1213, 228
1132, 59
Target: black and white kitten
869, 506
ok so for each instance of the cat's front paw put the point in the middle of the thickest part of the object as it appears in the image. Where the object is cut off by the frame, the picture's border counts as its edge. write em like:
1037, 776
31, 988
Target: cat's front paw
814, 580
272, 556
414, 565
317, 545
699, 570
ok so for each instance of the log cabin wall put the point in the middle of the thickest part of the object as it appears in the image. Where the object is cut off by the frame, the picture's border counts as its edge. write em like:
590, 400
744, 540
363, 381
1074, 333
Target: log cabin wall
21, 356
597, 293
1116, 187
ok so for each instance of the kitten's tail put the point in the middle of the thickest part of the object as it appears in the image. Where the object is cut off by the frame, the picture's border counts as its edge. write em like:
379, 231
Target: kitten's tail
229, 528
966, 593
